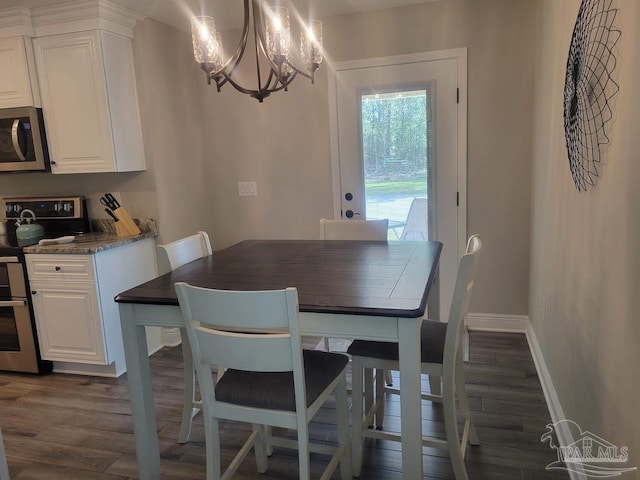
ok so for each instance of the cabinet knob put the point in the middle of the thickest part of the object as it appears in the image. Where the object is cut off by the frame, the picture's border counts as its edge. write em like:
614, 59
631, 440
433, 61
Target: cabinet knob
58, 269
53, 162
33, 292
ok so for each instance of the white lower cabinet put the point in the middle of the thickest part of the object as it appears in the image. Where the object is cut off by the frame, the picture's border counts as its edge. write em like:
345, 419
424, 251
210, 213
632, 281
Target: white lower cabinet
69, 324
77, 319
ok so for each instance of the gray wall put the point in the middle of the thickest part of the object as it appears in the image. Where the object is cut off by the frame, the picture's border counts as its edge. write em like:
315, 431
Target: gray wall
199, 143
283, 144
584, 260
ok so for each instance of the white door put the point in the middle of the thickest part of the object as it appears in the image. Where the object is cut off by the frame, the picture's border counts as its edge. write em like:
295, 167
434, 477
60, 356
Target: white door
383, 181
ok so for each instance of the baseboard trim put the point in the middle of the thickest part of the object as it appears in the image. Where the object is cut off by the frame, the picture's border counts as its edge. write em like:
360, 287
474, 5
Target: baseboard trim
565, 435
74, 368
170, 337
498, 323
521, 324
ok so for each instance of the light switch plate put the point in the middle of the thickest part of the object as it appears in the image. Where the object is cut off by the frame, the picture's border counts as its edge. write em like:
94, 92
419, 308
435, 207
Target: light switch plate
247, 189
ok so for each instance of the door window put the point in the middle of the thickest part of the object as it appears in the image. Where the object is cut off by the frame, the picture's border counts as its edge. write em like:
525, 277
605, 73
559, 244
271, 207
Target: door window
397, 160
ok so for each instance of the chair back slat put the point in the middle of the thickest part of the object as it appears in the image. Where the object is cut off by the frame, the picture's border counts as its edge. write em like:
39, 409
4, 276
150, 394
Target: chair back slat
185, 250
236, 310
253, 331
249, 352
354, 229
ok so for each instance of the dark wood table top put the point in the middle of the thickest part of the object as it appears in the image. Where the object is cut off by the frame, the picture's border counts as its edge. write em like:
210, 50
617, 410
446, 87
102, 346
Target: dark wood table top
343, 277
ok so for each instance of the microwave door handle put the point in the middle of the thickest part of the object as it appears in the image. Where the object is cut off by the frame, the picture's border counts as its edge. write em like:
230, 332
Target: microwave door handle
14, 139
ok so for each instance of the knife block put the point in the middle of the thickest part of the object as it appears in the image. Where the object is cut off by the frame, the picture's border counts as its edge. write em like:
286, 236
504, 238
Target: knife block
125, 226
120, 230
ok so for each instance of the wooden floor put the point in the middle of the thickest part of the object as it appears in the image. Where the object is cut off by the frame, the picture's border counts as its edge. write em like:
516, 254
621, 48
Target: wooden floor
75, 427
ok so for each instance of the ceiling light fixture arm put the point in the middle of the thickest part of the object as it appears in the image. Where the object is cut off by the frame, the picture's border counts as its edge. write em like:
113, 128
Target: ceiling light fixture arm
275, 67
223, 75
281, 71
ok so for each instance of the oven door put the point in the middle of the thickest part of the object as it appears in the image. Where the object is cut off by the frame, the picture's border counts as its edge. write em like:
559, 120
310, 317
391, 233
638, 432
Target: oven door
17, 341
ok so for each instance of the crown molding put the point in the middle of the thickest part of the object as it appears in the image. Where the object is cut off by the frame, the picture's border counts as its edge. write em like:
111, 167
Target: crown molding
84, 15
15, 21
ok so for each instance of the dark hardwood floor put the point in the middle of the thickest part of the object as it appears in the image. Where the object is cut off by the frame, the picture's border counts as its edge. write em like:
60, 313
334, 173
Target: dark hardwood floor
75, 427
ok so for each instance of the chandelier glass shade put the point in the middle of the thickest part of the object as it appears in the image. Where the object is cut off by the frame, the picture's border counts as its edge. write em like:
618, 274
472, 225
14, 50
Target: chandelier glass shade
275, 69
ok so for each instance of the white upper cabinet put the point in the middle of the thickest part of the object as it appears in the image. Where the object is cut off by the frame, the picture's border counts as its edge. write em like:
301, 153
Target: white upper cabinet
75, 59
18, 87
89, 102
18, 83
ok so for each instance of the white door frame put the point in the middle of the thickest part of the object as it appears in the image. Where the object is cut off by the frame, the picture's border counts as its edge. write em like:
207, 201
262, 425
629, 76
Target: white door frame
460, 55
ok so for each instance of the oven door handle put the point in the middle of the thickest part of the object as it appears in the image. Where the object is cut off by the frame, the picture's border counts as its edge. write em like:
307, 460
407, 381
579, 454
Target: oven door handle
8, 259
14, 139
13, 303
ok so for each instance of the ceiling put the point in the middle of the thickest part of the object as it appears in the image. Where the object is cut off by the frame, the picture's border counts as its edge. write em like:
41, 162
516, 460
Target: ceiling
228, 13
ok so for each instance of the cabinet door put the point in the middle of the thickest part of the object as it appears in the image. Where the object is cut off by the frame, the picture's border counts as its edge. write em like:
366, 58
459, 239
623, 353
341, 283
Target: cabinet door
68, 323
75, 104
15, 82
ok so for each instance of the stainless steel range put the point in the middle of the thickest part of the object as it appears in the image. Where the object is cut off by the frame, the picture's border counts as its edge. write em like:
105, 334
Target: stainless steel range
59, 216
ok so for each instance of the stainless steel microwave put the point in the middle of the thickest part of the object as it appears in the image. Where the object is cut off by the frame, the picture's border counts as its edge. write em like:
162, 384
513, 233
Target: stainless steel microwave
23, 144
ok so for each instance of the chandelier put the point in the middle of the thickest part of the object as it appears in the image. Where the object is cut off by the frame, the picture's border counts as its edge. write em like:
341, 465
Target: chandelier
272, 49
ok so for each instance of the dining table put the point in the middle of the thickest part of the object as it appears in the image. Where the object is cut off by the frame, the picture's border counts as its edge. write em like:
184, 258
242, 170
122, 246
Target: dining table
369, 290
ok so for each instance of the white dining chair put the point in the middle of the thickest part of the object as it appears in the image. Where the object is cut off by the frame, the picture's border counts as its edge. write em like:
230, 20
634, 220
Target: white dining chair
441, 357
174, 255
375, 230
270, 381
4, 468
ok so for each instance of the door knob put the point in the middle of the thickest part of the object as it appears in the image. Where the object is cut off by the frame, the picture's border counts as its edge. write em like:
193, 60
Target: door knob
350, 213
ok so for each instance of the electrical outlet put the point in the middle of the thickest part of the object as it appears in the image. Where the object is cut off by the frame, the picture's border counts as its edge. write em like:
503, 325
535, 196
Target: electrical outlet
247, 189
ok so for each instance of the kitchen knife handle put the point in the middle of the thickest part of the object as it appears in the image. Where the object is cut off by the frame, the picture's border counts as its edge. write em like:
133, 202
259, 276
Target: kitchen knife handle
112, 200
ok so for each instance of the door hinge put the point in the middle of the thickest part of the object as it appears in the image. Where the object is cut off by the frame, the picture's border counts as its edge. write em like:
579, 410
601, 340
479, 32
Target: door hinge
457, 95
457, 199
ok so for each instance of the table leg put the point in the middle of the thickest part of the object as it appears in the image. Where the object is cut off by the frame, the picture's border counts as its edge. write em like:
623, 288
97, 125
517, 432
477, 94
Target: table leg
140, 394
433, 309
433, 302
410, 396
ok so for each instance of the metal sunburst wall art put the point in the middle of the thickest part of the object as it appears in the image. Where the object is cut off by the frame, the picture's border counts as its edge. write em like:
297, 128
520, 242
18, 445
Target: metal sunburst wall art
589, 89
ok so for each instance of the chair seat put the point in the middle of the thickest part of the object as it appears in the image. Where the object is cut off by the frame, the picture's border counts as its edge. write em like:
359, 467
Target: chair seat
432, 335
275, 390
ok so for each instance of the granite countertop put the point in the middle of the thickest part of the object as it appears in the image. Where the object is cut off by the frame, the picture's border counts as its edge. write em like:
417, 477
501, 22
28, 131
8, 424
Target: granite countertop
97, 241
87, 243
